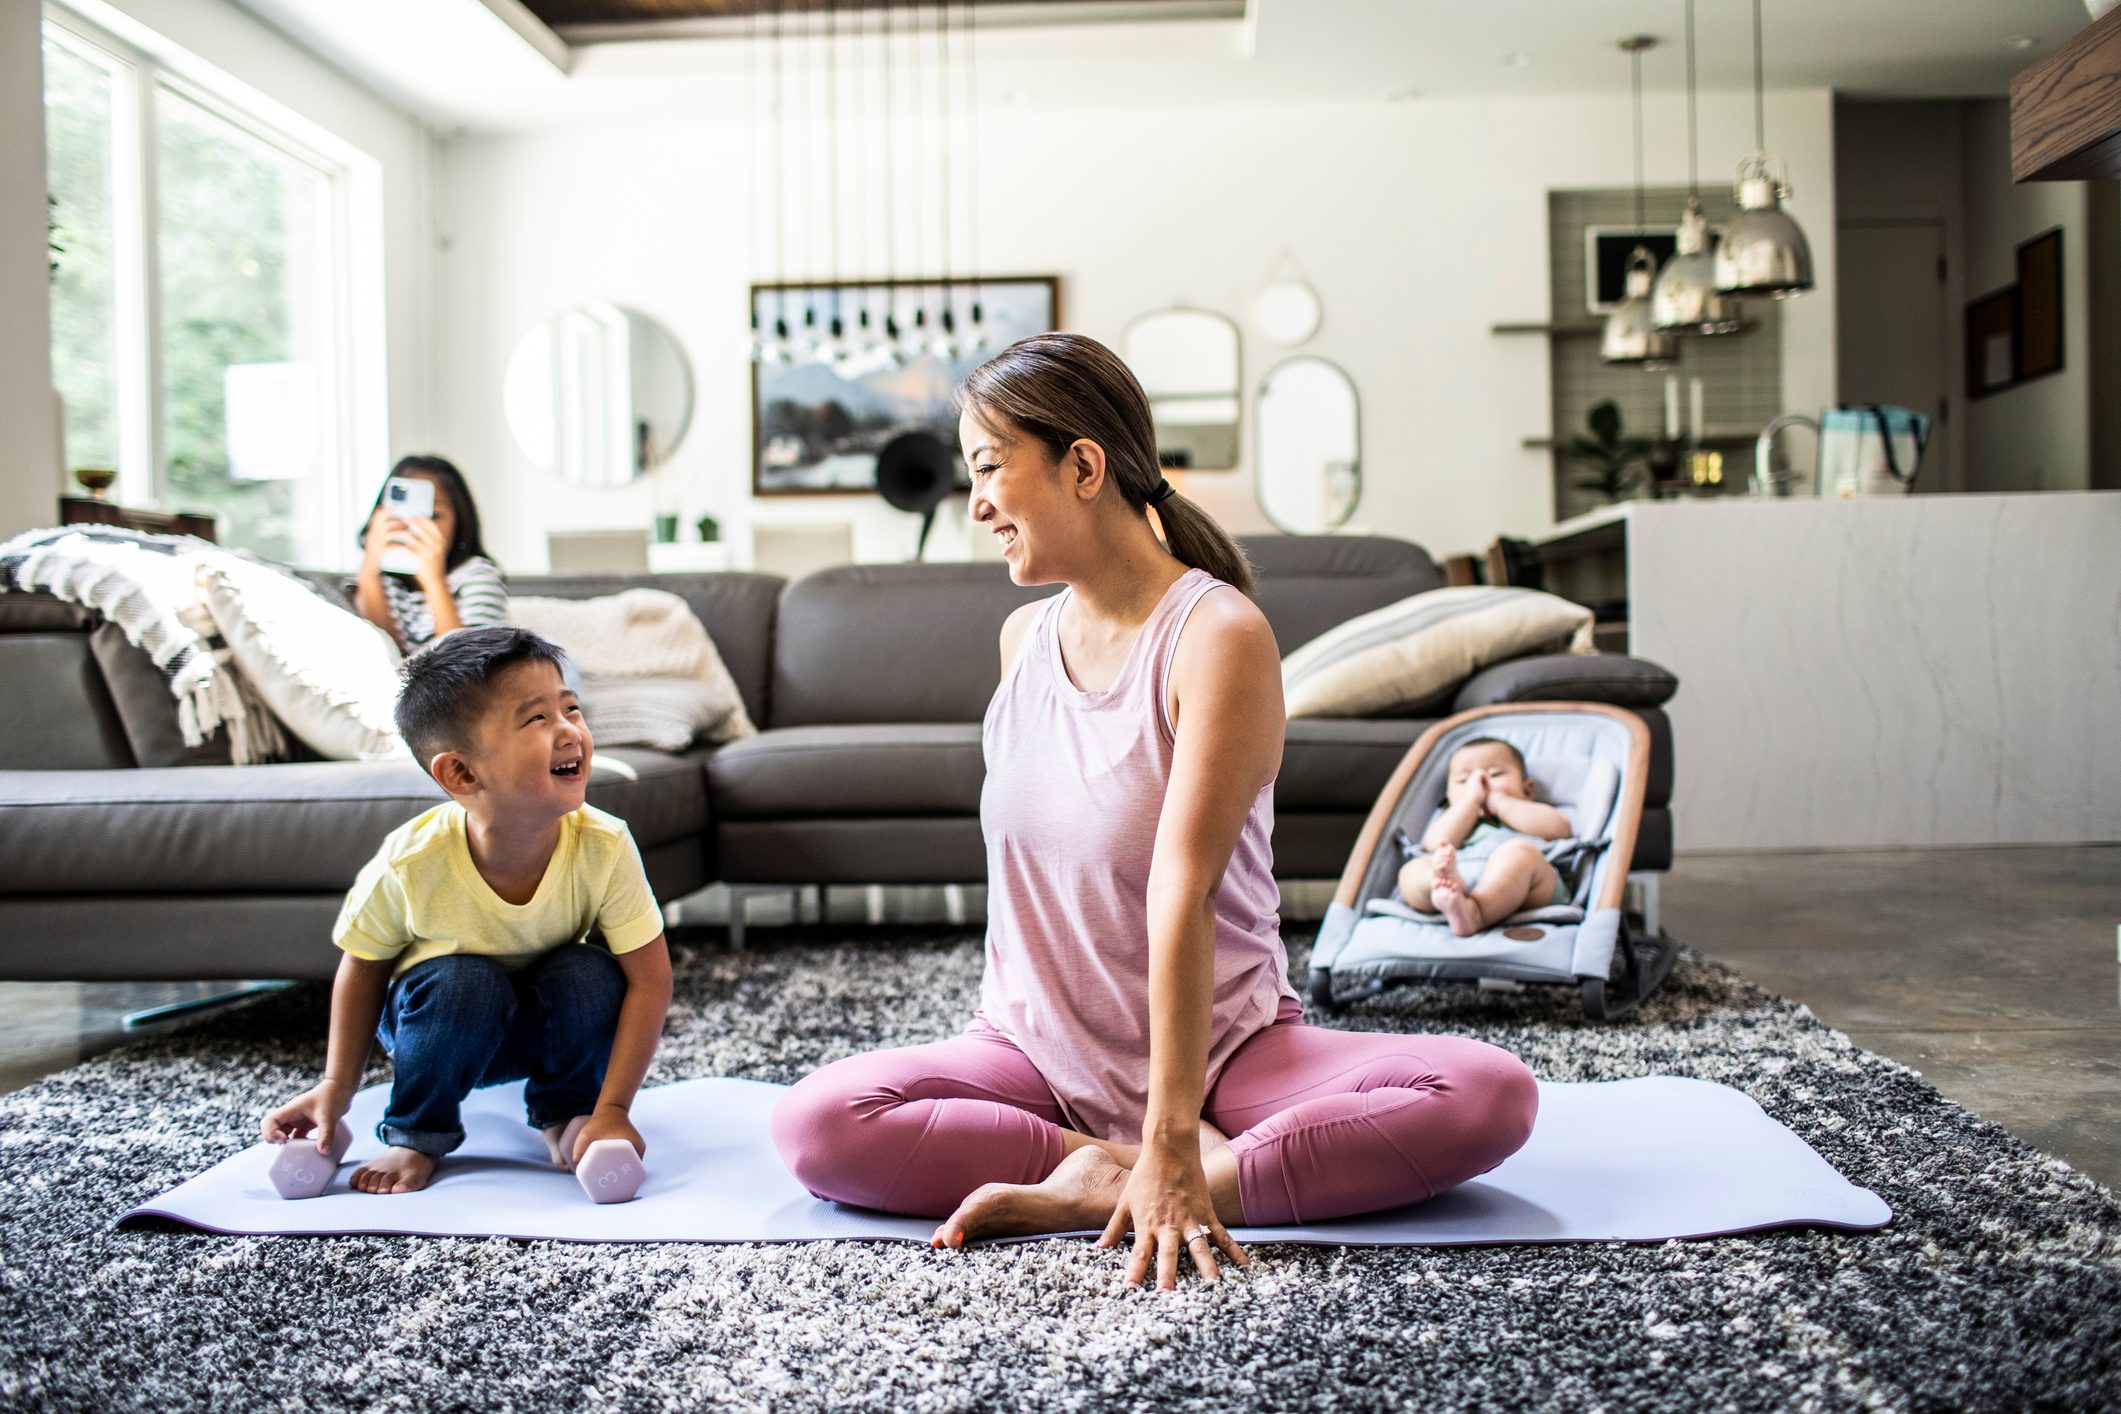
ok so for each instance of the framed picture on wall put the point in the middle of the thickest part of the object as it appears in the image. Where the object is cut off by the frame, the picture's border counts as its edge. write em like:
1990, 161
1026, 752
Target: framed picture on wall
818, 422
2040, 305
1992, 342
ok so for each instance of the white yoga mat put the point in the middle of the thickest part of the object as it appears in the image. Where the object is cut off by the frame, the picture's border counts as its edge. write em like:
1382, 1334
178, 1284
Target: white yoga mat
1626, 1160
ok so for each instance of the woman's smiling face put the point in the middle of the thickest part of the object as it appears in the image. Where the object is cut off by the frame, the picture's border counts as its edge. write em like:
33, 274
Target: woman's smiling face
1019, 496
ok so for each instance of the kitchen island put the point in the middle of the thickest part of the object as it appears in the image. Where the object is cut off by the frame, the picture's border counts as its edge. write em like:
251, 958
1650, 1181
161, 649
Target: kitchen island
1897, 671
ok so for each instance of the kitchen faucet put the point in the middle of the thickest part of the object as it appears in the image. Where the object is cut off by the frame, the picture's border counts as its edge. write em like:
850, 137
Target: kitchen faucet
1766, 480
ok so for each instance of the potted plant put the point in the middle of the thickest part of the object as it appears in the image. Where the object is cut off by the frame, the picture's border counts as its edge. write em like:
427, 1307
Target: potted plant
1611, 463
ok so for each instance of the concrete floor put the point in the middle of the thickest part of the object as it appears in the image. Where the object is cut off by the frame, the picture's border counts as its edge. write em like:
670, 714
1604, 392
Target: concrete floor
1992, 971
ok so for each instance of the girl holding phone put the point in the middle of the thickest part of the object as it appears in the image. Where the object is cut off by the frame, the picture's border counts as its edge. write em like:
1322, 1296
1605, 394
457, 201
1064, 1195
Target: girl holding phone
423, 576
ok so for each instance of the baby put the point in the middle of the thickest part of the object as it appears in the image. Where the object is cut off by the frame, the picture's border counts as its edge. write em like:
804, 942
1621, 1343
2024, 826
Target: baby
1481, 861
466, 936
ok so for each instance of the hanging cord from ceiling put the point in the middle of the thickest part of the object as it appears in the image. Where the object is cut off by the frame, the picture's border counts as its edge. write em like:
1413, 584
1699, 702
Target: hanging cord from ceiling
1693, 153
946, 339
1759, 88
977, 333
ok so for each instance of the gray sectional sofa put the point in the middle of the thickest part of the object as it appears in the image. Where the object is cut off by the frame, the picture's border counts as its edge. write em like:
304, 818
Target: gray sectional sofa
124, 853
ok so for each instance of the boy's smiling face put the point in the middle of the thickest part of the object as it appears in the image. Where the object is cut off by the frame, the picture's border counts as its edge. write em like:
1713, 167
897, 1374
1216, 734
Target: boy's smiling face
531, 751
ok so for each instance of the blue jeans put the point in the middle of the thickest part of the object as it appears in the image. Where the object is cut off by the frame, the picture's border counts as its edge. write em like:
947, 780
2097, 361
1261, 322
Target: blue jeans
452, 1024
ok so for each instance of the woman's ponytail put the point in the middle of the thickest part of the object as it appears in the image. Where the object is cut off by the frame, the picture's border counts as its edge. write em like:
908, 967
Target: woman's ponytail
1195, 538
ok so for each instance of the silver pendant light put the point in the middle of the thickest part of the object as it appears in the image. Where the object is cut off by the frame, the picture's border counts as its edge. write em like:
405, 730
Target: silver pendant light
1630, 337
1685, 300
1764, 254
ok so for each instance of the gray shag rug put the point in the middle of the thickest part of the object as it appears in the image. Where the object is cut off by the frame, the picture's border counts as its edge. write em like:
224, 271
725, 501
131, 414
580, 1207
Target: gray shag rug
1998, 1286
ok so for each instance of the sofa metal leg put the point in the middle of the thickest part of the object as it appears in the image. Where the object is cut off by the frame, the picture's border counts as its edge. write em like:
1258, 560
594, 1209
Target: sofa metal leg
954, 904
242, 991
1649, 890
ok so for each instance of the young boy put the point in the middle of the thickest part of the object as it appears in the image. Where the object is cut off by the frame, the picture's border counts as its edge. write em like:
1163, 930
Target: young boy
1481, 860
465, 937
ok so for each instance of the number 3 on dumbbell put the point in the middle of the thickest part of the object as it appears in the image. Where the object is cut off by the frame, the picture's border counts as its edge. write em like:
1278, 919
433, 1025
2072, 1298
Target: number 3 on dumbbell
299, 1171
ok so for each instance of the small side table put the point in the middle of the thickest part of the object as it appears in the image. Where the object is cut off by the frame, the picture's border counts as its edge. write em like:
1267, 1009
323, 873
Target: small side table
87, 510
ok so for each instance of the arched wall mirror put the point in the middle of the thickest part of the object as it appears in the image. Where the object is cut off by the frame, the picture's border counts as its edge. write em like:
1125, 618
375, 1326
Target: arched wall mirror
1310, 446
1187, 362
597, 395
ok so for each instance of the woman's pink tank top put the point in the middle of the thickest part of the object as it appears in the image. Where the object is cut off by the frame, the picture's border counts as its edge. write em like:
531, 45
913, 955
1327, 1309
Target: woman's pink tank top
1075, 785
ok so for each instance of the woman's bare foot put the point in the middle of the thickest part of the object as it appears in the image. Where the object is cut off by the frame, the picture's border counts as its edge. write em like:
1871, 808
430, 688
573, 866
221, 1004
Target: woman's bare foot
395, 1170
1078, 1196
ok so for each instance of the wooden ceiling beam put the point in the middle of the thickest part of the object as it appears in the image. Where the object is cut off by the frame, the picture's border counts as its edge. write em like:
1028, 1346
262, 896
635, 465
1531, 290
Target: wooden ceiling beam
2066, 110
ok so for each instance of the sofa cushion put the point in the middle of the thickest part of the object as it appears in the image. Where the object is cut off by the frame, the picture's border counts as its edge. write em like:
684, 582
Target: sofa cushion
304, 826
892, 643
60, 714
1309, 583
912, 768
1340, 764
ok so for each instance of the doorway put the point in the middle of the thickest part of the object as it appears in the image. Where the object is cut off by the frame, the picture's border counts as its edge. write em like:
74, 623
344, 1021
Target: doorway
1896, 337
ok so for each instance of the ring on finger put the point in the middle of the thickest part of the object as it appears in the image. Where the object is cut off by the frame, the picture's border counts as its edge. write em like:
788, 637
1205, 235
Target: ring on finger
1198, 1234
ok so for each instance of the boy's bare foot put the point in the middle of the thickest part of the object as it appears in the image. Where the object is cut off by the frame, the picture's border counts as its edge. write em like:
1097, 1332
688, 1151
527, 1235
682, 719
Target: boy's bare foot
559, 1140
395, 1170
1454, 903
1077, 1196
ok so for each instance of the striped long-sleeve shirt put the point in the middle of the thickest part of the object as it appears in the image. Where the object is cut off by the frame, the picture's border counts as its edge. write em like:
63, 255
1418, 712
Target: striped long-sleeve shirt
476, 585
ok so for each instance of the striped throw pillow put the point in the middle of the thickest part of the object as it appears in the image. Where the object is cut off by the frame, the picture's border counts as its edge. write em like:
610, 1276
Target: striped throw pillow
1408, 656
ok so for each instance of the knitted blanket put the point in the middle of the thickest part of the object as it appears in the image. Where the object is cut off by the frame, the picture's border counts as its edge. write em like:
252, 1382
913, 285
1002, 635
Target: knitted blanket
652, 675
148, 585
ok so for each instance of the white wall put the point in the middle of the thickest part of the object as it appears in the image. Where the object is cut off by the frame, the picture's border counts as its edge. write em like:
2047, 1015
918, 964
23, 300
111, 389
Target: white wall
215, 41
2035, 437
29, 468
1421, 225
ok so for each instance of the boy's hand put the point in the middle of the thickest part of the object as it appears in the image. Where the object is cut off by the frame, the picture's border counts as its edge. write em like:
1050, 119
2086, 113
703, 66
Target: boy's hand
609, 1122
318, 1109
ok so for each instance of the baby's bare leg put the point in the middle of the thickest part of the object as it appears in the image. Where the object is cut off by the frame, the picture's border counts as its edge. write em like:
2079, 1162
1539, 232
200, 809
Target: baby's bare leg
1416, 878
1516, 875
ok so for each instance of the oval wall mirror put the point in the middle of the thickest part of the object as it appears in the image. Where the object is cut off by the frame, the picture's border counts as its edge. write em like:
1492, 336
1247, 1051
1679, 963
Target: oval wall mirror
598, 394
1310, 446
1187, 362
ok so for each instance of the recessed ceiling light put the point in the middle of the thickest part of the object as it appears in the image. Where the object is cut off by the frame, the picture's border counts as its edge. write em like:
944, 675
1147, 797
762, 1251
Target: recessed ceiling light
2022, 41
1519, 60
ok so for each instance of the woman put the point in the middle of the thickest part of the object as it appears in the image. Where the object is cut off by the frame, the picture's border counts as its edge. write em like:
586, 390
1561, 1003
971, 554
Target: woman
1139, 1059
456, 585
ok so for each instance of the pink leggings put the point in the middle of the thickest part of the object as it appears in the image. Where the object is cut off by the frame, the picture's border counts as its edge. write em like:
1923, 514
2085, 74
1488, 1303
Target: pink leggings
1324, 1123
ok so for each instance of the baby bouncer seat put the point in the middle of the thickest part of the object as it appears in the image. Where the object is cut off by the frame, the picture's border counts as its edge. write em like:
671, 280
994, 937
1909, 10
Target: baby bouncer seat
1589, 760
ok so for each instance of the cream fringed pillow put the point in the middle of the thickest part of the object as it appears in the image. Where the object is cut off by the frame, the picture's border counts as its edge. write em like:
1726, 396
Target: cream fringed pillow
331, 677
652, 675
1405, 656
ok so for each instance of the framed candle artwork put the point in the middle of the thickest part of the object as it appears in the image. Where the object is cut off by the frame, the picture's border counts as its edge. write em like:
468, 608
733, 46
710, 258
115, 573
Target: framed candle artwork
820, 417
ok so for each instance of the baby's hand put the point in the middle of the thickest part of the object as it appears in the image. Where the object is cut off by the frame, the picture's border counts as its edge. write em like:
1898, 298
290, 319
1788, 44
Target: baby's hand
318, 1109
609, 1122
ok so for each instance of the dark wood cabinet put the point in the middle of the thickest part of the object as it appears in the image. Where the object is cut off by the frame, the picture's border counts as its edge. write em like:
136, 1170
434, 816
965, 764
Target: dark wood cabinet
88, 510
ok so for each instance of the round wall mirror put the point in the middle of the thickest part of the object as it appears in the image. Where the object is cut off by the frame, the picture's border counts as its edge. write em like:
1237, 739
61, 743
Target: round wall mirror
1186, 360
1310, 446
1287, 312
598, 395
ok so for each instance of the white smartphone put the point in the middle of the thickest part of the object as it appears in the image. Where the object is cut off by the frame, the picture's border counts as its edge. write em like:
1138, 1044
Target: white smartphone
406, 496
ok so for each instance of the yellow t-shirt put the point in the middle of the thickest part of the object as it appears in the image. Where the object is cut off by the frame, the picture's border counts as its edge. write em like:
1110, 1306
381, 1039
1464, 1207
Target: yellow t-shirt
422, 897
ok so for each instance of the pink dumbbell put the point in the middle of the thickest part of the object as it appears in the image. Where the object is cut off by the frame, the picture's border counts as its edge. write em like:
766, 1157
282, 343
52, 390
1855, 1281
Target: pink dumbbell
610, 1172
299, 1171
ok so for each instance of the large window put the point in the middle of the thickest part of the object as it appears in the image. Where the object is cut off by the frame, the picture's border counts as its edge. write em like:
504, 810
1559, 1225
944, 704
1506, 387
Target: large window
198, 307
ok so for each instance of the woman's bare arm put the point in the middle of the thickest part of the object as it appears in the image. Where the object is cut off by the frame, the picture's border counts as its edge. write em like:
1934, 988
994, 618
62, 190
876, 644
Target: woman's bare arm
1230, 723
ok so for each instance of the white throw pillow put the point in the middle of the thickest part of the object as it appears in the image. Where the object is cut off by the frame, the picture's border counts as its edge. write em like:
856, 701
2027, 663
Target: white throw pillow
1406, 656
651, 674
330, 677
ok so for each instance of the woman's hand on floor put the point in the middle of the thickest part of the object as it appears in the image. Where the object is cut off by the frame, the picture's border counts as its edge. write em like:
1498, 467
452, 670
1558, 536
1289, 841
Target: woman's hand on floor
1165, 1200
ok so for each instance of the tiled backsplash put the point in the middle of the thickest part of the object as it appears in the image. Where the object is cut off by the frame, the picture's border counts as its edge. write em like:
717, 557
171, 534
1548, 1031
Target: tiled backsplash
1741, 374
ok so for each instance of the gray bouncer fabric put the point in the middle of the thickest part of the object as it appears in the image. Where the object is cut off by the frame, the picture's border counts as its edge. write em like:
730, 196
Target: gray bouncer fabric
1579, 761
